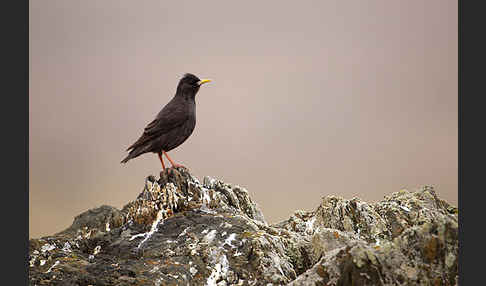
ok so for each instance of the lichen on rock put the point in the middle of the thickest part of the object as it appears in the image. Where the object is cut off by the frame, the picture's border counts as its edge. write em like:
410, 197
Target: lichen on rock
179, 231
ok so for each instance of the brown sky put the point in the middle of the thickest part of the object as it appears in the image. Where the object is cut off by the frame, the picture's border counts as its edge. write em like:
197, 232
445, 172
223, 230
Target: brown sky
308, 99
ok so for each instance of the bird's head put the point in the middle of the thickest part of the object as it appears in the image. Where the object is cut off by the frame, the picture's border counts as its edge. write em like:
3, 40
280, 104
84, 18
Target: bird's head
189, 85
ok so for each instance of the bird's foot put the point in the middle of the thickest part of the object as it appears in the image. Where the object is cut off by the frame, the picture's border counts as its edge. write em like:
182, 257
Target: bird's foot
178, 166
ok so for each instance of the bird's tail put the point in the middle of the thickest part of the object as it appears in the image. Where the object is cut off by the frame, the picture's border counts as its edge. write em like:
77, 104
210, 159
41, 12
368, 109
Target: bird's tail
126, 159
133, 153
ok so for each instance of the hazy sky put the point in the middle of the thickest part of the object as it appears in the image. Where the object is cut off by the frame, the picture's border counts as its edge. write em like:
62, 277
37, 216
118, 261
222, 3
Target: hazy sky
308, 99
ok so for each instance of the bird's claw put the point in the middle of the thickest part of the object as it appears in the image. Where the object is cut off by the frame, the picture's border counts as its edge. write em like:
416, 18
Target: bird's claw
178, 166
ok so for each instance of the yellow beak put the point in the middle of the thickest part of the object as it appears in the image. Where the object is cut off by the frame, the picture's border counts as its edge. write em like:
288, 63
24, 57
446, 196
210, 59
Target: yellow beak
203, 81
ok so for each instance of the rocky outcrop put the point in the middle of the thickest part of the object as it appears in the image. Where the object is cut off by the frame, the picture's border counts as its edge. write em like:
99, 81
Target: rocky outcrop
180, 231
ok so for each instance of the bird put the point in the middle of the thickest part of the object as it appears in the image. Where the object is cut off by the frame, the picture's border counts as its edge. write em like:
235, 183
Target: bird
172, 125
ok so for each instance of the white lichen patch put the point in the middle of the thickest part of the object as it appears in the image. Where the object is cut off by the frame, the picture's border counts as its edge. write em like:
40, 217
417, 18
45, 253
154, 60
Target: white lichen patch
155, 269
276, 262
107, 226
210, 236
173, 198
193, 248
230, 239
309, 225
225, 225
67, 247
158, 281
195, 180
193, 270
405, 208
206, 200
96, 250
153, 229
184, 232
47, 247
364, 274
170, 252
32, 261
220, 269
137, 235
151, 186
450, 259
87, 234
209, 182
52, 267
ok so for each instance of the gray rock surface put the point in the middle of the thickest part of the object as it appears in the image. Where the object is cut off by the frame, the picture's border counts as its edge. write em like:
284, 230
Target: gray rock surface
180, 231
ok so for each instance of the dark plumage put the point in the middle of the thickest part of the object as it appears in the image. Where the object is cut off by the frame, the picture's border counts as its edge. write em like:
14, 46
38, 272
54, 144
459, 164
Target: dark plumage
172, 125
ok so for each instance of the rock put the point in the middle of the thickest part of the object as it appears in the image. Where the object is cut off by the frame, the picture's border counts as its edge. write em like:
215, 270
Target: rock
180, 231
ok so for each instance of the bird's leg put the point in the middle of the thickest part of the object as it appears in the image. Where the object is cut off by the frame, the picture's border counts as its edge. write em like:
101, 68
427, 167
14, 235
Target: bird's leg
174, 165
161, 161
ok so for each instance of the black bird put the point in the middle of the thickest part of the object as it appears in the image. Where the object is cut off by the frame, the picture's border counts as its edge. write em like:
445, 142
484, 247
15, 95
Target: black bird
173, 125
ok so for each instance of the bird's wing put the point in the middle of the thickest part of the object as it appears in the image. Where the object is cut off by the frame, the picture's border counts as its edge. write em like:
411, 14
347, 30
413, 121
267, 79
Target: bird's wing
170, 117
